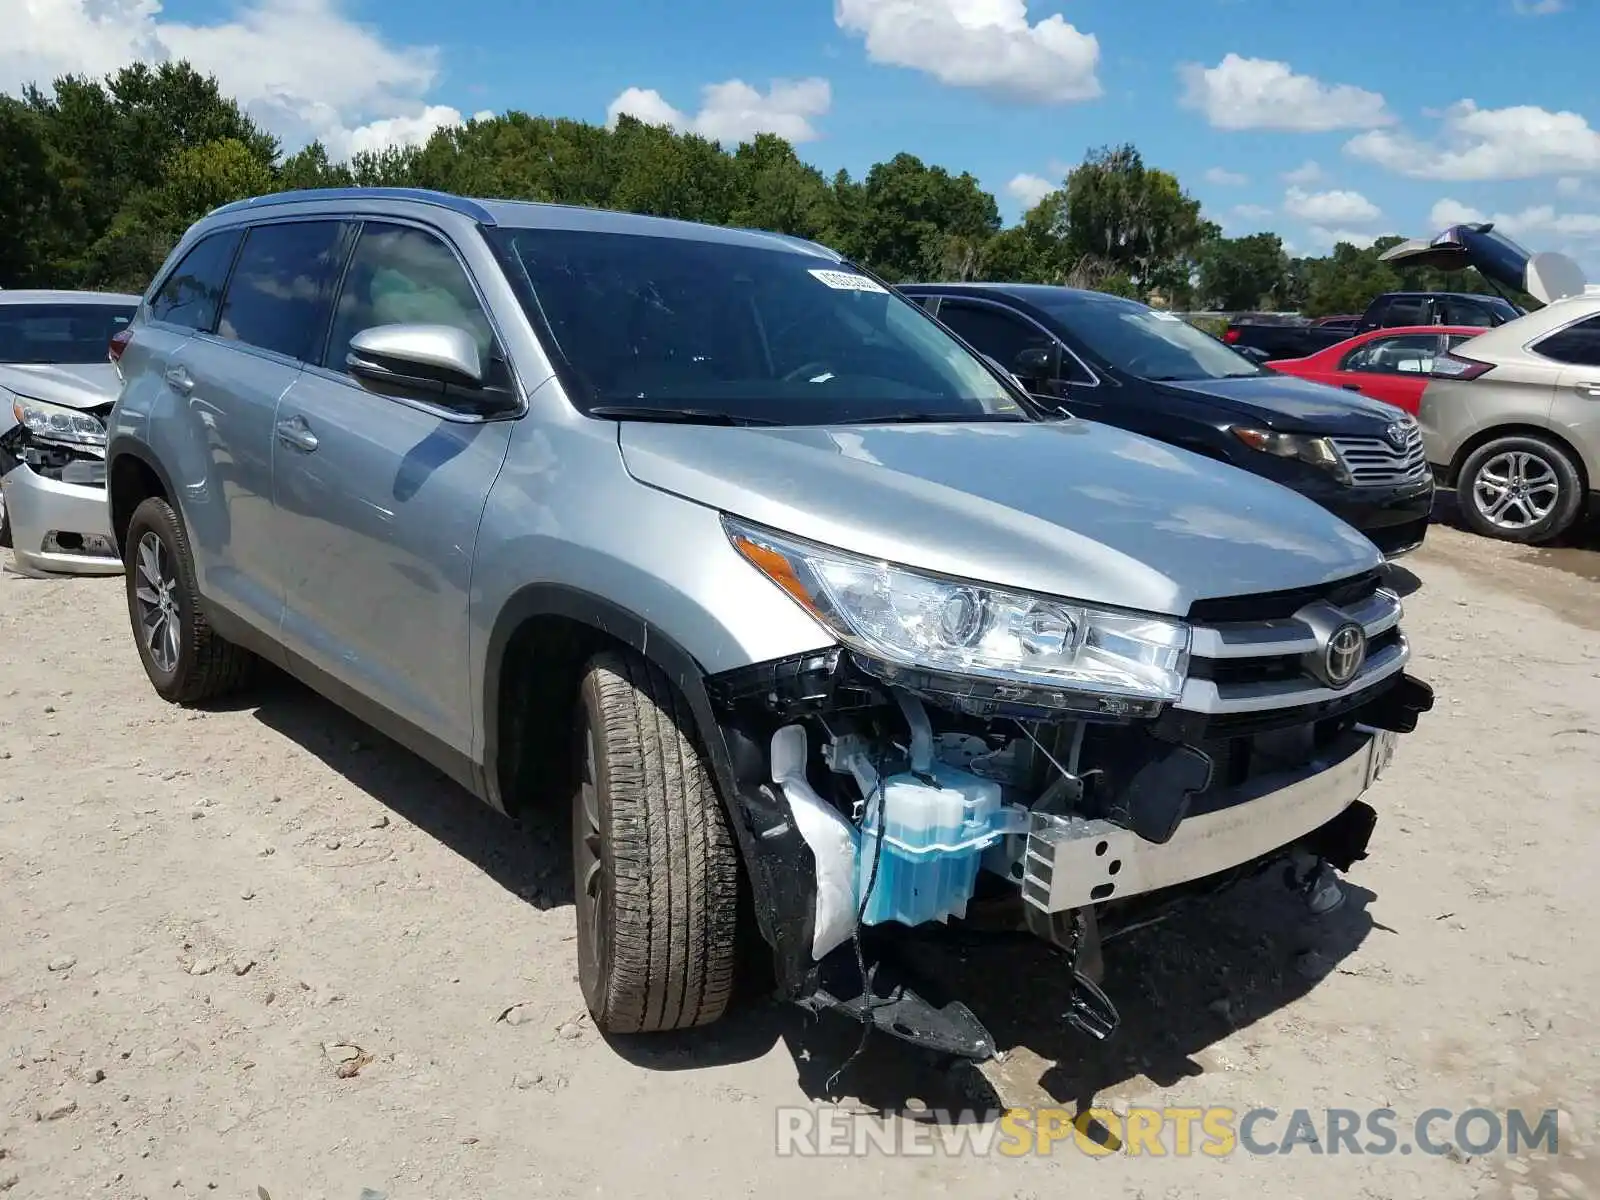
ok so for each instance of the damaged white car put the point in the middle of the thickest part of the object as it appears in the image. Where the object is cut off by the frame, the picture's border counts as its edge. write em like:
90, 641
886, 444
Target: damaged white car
57, 385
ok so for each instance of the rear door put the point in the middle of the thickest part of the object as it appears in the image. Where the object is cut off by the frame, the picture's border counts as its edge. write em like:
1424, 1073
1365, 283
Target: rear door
270, 319
1576, 411
379, 495
1391, 367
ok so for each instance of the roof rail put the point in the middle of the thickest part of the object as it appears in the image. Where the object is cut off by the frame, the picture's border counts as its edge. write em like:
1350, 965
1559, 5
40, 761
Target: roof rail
460, 204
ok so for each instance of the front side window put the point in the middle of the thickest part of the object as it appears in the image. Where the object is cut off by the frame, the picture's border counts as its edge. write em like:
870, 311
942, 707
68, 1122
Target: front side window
60, 333
1405, 354
399, 275
1576, 344
1144, 341
990, 331
191, 295
755, 333
279, 294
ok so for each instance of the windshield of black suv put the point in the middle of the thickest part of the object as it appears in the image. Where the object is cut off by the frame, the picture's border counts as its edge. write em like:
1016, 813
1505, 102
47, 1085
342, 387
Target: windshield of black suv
69, 334
1144, 341
702, 329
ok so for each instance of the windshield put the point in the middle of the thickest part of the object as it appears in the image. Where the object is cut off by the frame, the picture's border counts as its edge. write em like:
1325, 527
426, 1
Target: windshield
1146, 342
701, 328
59, 333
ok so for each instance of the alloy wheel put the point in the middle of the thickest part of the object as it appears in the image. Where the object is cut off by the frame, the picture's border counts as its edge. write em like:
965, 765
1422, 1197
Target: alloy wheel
588, 866
155, 592
1516, 490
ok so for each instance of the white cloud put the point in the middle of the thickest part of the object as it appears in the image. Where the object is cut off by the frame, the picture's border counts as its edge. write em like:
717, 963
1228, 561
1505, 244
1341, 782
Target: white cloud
1305, 174
1330, 208
1223, 177
1250, 212
1568, 186
1521, 142
1028, 190
734, 111
1540, 221
301, 68
1538, 8
399, 131
983, 44
1326, 239
1259, 93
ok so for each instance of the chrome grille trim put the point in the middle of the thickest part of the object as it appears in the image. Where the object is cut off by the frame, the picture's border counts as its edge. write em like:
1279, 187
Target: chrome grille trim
1206, 696
1377, 614
1378, 462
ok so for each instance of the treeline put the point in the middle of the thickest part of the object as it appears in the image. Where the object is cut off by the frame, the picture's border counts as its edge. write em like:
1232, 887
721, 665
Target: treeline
98, 178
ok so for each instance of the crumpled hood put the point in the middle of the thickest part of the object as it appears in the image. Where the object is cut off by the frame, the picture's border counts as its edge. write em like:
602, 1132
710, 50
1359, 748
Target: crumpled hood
1069, 508
76, 385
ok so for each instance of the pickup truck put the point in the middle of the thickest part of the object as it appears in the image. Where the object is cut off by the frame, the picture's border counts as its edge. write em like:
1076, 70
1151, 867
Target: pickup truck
1294, 338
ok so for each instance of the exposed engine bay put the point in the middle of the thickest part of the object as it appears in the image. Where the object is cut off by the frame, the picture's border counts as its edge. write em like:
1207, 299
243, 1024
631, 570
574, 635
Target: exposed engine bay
912, 798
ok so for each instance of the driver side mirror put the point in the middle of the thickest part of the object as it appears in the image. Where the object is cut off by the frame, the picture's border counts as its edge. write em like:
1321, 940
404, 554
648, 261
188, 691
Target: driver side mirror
422, 358
1036, 364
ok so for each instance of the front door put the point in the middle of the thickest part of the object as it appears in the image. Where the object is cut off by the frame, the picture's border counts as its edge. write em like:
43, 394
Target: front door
379, 496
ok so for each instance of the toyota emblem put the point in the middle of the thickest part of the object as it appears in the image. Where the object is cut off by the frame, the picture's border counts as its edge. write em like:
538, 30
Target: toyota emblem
1345, 653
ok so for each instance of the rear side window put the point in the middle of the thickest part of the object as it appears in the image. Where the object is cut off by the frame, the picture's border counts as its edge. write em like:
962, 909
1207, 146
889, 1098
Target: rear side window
1576, 344
193, 291
1401, 354
280, 291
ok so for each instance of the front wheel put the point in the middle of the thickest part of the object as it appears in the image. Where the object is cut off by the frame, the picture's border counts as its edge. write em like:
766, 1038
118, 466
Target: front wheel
1520, 488
655, 870
187, 661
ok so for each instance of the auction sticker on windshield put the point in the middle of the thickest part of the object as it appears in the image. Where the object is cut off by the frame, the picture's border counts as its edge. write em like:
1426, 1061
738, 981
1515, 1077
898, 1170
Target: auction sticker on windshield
849, 281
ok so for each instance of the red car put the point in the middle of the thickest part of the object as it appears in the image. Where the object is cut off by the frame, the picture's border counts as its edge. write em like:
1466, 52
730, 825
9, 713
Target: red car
1390, 364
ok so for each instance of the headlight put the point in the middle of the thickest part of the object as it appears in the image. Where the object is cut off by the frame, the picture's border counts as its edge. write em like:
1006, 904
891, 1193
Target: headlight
54, 423
1318, 451
910, 619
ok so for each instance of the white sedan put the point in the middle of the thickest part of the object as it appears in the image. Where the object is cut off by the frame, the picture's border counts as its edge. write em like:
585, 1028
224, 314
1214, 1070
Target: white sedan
57, 385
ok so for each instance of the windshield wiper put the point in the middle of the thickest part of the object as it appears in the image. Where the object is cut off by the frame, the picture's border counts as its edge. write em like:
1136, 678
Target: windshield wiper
683, 416
926, 418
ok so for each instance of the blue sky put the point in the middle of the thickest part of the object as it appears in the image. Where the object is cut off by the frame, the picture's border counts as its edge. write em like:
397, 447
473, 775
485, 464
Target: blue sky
1407, 116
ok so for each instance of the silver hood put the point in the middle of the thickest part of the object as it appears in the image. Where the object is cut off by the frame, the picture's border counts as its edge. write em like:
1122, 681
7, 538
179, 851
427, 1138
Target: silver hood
76, 385
1071, 508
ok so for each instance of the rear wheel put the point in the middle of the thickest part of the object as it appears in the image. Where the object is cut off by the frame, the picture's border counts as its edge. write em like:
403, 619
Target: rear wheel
655, 870
1520, 488
187, 661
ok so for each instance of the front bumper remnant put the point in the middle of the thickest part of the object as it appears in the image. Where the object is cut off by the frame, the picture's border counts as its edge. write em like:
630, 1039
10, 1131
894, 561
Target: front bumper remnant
1070, 862
57, 526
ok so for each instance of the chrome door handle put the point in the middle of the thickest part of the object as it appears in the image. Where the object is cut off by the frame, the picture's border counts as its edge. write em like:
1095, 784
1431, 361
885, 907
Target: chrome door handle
295, 432
1591, 390
179, 380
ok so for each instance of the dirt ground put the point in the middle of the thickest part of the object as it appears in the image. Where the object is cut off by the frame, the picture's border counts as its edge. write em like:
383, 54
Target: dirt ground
259, 952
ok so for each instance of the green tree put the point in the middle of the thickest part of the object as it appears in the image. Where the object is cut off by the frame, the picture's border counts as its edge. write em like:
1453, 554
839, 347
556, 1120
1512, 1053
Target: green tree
31, 200
916, 221
1123, 219
1243, 273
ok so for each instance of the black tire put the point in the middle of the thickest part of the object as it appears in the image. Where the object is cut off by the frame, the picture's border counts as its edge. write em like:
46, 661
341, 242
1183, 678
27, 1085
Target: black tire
1545, 460
207, 666
656, 874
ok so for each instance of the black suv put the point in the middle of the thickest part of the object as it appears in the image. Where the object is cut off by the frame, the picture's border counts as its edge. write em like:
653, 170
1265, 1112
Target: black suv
1123, 363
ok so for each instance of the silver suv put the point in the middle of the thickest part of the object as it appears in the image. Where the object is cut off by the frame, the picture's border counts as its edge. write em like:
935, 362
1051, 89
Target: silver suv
789, 597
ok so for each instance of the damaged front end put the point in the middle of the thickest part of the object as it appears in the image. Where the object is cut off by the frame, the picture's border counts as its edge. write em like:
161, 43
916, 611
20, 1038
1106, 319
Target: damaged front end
1068, 763
53, 464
